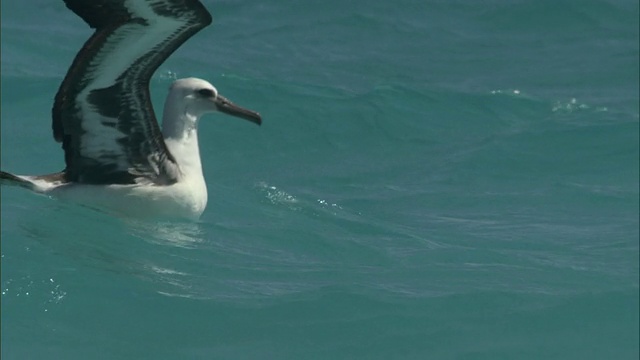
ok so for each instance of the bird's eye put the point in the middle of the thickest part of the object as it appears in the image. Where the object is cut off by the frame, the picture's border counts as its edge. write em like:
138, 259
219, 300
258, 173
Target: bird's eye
206, 92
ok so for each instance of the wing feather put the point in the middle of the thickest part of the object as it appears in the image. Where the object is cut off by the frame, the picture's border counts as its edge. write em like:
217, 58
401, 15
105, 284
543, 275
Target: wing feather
102, 112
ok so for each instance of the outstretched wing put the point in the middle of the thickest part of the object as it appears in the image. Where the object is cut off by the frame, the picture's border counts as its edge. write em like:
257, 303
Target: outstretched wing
102, 113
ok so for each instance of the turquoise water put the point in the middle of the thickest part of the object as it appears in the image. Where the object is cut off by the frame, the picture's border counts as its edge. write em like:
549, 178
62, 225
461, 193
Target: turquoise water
433, 180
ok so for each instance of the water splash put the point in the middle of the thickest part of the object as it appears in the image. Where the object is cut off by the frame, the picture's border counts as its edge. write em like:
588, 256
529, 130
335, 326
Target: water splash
277, 196
167, 75
510, 92
574, 105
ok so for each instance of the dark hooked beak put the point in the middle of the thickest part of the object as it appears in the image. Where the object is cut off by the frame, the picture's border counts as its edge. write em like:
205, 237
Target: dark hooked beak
227, 107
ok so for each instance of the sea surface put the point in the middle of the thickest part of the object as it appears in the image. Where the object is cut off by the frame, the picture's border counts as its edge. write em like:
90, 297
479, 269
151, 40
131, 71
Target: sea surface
433, 180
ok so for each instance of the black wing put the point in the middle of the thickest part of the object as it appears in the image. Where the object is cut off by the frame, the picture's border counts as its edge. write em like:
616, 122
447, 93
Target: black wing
102, 112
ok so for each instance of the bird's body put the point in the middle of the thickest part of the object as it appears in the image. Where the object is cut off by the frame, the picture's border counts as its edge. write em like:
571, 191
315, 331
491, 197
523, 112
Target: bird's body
117, 158
185, 199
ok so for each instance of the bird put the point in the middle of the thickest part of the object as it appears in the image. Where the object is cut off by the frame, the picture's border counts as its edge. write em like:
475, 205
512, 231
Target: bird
118, 159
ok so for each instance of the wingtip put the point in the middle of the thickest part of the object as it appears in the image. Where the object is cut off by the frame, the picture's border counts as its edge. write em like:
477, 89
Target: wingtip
14, 180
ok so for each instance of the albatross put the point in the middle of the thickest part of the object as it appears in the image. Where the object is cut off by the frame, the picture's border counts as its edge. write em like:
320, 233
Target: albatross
117, 157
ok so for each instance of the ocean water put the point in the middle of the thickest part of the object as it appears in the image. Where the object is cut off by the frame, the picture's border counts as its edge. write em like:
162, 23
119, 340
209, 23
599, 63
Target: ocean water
433, 180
